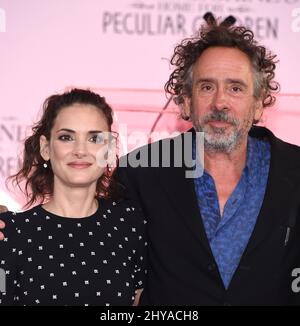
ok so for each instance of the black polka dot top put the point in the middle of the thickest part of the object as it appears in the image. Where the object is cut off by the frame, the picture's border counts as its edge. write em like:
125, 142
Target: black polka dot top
51, 260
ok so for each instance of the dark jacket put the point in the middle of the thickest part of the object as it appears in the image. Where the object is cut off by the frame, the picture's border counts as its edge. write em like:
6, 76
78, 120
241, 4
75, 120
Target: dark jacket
181, 267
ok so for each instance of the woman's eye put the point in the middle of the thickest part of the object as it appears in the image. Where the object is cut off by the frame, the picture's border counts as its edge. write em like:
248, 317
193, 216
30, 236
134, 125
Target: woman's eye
65, 138
94, 139
97, 139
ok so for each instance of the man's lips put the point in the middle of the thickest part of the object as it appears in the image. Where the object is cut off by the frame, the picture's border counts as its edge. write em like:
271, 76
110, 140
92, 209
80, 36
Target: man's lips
219, 124
79, 165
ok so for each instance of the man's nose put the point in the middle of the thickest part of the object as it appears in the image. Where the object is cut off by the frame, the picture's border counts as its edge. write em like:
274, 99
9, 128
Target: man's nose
220, 100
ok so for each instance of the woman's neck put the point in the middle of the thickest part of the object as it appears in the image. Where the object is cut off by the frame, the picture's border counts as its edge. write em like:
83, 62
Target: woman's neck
72, 202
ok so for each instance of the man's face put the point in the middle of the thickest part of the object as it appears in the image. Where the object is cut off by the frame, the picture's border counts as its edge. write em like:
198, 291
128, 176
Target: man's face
222, 102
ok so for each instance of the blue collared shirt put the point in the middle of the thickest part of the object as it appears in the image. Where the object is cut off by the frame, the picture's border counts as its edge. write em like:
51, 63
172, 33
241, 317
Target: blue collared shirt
229, 235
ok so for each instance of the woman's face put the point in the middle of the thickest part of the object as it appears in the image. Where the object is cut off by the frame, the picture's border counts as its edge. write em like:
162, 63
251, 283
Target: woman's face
73, 146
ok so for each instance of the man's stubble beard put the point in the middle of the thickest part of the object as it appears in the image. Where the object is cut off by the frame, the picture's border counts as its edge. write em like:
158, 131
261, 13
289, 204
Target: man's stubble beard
218, 140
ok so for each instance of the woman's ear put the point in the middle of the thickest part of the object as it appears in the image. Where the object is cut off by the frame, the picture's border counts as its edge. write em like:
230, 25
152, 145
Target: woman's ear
44, 148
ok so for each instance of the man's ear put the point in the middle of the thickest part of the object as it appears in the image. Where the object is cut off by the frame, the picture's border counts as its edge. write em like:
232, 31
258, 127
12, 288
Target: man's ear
258, 110
44, 148
186, 107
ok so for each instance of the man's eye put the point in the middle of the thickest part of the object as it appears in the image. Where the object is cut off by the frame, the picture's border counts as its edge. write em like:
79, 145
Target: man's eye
206, 87
65, 138
236, 89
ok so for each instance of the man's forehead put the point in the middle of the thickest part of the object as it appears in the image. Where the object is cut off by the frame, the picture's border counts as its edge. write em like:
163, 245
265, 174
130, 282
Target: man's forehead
222, 66
223, 56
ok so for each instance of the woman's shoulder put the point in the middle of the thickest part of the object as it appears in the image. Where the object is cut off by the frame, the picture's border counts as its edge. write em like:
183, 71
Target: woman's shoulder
18, 218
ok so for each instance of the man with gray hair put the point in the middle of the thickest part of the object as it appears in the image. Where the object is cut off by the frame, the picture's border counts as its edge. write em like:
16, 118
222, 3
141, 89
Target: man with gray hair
228, 236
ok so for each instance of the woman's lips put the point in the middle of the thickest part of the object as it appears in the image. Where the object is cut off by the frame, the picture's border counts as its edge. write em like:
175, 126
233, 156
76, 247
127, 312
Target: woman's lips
79, 165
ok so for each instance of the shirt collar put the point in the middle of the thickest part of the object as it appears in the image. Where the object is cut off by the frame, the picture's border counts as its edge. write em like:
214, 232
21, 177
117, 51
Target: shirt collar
252, 160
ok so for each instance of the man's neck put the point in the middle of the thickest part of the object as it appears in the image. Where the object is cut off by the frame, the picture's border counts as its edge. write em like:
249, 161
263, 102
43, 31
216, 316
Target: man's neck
226, 170
226, 165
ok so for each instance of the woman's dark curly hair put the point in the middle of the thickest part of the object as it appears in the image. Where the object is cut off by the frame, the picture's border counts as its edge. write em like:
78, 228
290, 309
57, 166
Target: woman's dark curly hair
215, 34
38, 180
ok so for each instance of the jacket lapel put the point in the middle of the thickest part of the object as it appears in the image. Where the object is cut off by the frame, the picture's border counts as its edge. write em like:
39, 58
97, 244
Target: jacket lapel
282, 184
181, 193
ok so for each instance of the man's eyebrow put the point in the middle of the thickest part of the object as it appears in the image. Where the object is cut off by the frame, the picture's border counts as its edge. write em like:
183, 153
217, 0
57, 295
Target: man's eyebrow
227, 81
236, 81
205, 80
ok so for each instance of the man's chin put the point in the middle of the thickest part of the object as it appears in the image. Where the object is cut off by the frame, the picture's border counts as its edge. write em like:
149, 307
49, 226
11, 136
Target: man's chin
224, 142
219, 133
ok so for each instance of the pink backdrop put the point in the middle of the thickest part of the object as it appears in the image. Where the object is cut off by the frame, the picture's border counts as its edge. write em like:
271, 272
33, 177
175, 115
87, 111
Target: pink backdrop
121, 48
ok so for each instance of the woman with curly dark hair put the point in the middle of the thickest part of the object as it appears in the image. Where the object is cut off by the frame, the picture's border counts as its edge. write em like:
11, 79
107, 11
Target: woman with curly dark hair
83, 244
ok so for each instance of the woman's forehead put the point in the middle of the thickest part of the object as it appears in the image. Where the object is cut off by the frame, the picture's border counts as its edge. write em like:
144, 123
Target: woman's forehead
81, 117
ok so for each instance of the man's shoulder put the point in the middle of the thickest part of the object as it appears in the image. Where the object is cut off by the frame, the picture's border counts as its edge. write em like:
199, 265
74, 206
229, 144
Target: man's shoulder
264, 133
292, 148
287, 150
286, 153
